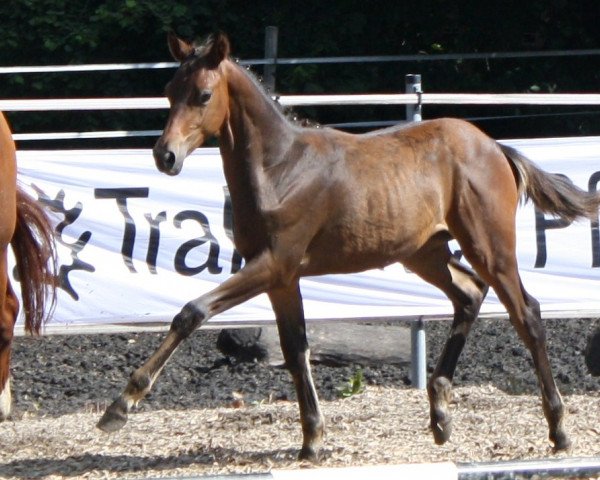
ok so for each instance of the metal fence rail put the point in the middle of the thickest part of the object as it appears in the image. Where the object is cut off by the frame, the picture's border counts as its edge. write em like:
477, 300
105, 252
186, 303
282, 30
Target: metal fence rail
157, 103
272, 59
522, 469
160, 103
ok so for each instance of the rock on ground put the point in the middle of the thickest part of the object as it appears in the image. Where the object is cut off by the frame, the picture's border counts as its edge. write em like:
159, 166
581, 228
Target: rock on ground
592, 353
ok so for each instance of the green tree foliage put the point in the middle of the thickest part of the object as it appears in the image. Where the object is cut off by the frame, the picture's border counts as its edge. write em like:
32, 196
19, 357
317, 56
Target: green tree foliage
54, 32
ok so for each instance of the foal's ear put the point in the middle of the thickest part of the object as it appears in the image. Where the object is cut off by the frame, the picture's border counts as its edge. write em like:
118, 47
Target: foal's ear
218, 50
179, 48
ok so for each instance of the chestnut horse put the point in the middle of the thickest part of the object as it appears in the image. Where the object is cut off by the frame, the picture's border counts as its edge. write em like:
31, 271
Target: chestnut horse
310, 201
23, 225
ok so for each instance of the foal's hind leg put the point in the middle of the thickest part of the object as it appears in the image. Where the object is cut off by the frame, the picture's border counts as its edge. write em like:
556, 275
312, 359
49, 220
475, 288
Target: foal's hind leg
525, 317
466, 291
287, 304
500, 270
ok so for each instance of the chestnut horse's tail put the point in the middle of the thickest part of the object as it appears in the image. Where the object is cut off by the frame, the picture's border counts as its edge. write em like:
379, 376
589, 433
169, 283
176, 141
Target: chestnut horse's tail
35, 255
550, 192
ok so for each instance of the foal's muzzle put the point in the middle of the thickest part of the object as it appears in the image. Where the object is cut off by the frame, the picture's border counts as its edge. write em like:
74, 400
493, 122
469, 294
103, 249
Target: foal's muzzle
166, 160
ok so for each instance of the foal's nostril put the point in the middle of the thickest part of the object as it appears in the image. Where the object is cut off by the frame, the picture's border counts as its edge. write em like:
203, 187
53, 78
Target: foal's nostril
165, 159
168, 159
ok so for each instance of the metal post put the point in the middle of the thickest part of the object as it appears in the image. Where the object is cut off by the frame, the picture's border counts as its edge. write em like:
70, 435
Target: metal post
418, 354
418, 345
270, 66
413, 85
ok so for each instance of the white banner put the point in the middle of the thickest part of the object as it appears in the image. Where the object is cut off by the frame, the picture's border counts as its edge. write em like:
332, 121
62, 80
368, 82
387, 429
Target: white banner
135, 245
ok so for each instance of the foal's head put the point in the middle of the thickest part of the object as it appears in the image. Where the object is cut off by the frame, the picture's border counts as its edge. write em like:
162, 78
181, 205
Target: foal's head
198, 97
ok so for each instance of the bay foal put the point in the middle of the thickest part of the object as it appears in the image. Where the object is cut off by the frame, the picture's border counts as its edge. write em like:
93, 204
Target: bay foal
315, 201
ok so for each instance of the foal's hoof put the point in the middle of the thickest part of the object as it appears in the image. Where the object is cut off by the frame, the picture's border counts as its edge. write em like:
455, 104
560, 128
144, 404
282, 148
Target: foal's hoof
442, 432
114, 418
561, 442
440, 396
308, 454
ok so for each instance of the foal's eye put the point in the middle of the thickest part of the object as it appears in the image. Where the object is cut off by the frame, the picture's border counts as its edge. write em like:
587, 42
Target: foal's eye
204, 96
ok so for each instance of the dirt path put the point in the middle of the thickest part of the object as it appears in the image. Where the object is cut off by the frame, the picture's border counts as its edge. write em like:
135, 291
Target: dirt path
380, 426
189, 424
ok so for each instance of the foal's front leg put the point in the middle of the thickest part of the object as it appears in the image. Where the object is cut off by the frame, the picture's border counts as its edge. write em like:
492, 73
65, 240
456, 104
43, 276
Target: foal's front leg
287, 304
255, 278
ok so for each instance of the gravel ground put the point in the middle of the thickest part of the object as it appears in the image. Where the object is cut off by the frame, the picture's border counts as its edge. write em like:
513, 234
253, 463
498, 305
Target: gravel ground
208, 414
55, 375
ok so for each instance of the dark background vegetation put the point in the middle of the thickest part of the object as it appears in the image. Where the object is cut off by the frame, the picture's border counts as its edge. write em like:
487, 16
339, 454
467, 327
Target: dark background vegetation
57, 32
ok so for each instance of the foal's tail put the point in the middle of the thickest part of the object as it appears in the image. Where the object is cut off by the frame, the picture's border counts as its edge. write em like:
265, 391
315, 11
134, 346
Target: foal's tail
550, 192
35, 255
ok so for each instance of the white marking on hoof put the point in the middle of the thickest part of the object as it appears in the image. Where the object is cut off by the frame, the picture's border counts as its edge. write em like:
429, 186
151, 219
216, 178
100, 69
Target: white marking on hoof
5, 401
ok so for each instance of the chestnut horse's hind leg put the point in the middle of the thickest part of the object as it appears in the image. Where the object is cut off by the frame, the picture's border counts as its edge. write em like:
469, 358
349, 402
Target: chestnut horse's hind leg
256, 277
287, 305
9, 307
466, 290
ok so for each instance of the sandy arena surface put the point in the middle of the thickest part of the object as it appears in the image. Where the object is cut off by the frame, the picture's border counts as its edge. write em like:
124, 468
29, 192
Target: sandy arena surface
208, 415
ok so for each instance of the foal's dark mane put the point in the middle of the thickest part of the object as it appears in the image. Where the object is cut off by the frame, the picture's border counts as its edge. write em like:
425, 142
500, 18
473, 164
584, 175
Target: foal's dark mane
287, 114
